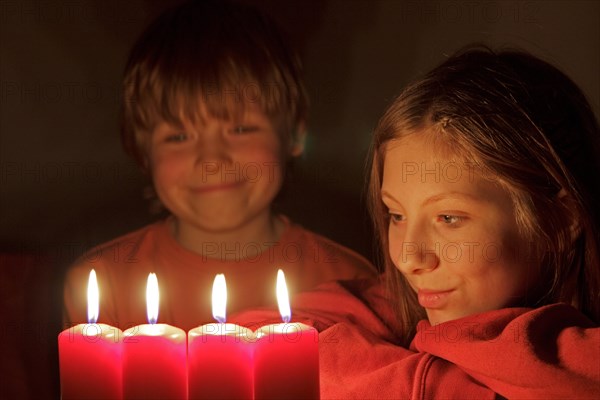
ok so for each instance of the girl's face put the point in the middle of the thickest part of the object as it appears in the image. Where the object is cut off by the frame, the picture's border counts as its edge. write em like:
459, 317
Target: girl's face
452, 232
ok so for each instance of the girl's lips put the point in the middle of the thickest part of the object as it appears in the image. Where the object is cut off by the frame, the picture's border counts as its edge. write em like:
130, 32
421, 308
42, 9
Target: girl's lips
215, 188
433, 299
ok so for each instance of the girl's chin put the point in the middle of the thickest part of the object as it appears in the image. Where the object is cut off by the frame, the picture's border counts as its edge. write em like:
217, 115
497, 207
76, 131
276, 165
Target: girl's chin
437, 317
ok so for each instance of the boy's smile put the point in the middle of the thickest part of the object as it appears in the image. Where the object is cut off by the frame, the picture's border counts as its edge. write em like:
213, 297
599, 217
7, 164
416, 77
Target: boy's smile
211, 188
452, 232
218, 176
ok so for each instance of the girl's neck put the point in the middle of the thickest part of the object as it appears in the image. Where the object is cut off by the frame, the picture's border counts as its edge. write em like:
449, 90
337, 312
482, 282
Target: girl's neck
244, 242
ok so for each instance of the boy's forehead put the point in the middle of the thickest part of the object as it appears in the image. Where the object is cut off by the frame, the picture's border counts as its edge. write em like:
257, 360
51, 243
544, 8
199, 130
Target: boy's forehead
201, 112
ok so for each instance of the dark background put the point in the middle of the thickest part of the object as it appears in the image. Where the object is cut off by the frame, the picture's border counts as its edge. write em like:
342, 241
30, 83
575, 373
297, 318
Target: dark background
65, 184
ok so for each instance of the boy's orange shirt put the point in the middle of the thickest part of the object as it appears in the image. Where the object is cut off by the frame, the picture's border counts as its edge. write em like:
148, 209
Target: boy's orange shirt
185, 278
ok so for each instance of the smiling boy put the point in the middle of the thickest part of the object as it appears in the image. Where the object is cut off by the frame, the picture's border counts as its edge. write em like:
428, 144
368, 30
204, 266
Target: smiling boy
214, 110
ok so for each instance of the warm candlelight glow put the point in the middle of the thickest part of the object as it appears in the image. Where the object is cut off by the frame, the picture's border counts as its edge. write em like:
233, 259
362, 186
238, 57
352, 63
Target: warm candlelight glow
219, 298
89, 355
154, 355
152, 298
93, 298
283, 299
286, 355
219, 354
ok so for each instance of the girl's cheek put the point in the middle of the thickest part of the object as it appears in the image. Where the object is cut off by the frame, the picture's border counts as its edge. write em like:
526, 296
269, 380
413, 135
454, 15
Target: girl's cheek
395, 245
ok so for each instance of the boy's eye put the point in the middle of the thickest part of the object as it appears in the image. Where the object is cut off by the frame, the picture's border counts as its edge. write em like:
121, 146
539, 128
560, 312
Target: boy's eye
242, 129
177, 137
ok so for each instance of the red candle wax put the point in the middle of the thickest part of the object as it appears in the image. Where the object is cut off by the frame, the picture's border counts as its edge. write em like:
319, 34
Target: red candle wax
220, 362
90, 362
154, 356
154, 362
286, 356
286, 362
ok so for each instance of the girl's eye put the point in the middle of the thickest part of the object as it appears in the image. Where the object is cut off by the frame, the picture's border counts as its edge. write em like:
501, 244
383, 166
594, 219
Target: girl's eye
243, 129
450, 219
177, 137
395, 218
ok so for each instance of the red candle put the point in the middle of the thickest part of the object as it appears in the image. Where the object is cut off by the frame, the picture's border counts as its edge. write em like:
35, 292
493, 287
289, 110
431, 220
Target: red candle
286, 356
220, 355
154, 356
90, 355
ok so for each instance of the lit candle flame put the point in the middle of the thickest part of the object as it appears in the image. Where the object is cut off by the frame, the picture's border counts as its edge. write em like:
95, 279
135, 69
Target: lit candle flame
219, 298
93, 298
283, 298
152, 298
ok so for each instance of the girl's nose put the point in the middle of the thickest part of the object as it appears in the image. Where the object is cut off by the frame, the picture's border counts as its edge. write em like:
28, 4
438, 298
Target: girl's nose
418, 252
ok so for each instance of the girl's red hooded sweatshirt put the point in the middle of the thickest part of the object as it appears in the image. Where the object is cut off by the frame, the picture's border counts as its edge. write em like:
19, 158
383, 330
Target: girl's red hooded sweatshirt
543, 353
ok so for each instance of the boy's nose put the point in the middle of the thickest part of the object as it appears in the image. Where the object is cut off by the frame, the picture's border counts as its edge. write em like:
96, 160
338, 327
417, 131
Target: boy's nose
418, 254
213, 147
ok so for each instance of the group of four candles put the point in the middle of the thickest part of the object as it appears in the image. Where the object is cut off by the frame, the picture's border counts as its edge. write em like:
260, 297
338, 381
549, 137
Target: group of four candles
218, 360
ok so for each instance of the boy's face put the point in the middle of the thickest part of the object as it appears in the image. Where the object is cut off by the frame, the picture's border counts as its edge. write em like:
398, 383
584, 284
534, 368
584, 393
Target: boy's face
452, 232
219, 175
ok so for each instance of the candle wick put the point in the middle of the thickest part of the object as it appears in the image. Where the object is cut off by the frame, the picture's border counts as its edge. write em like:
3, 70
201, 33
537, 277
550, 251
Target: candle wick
286, 319
220, 320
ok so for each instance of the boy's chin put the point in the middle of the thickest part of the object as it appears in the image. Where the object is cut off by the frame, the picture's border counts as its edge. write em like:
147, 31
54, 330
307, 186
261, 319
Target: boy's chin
221, 223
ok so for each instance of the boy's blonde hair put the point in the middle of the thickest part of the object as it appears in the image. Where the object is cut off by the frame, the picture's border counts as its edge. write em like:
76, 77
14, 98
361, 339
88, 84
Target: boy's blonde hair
212, 57
530, 126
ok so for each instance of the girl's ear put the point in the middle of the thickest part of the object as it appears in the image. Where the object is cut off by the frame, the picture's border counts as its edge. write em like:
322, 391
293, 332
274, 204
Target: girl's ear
297, 145
569, 203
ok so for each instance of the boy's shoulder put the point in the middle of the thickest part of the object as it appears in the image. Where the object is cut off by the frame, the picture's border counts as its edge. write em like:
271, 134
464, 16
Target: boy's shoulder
124, 248
324, 249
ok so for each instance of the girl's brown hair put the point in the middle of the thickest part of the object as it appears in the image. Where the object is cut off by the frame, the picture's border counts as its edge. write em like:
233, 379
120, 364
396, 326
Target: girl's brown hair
215, 57
528, 124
